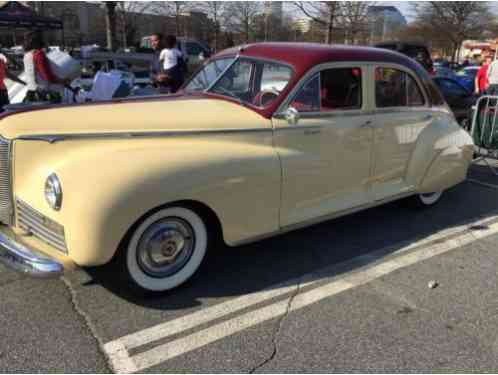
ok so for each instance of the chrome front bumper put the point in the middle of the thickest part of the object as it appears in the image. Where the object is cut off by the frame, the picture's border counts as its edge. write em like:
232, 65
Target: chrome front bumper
26, 260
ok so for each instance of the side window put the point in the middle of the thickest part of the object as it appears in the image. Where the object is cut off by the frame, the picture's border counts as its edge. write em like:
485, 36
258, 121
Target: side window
242, 76
395, 88
275, 77
340, 89
308, 97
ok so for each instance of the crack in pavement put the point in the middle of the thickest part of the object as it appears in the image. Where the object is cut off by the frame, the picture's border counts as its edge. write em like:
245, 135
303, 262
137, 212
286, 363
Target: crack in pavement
87, 322
278, 329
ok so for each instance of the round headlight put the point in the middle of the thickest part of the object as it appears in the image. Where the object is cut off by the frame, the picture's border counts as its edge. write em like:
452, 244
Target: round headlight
53, 192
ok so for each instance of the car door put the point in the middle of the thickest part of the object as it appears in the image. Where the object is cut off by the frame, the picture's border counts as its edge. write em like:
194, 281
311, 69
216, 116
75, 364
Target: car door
401, 114
323, 136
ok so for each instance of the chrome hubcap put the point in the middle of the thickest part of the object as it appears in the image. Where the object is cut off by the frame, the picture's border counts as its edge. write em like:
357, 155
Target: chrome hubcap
165, 247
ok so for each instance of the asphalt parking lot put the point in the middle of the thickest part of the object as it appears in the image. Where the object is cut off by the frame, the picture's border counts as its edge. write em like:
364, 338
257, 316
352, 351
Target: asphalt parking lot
347, 295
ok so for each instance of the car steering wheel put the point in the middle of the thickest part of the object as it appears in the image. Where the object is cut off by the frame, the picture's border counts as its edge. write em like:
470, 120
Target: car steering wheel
264, 97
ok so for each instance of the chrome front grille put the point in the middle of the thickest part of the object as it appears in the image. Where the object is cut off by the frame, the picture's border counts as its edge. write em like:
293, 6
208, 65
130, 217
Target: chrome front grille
6, 204
40, 226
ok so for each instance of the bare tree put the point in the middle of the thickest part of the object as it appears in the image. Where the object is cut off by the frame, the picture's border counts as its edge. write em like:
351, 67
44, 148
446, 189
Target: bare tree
241, 15
172, 8
325, 13
215, 11
110, 20
420, 33
455, 21
130, 14
355, 20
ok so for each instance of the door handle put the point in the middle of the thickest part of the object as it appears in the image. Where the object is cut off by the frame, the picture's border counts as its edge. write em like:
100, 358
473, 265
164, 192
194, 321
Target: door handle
427, 118
312, 131
366, 124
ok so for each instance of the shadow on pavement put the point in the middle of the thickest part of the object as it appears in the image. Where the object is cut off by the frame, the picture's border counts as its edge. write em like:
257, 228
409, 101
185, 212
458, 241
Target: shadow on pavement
231, 272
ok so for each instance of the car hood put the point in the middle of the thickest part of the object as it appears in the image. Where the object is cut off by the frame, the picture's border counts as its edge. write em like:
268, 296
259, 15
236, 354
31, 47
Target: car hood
178, 114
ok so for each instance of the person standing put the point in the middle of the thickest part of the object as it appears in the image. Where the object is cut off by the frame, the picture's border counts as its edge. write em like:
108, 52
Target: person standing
481, 80
173, 64
492, 75
5, 73
157, 75
42, 84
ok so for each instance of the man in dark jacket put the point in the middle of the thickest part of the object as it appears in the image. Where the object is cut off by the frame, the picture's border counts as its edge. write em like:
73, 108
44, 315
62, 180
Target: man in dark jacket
157, 75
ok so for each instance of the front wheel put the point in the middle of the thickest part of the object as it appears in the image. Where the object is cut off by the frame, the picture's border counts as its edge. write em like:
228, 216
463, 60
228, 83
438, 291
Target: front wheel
429, 199
166, 249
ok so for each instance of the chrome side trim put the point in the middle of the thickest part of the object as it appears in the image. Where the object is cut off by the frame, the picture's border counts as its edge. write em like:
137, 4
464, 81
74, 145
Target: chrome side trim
299, 127
52, 138
331, 114
28, 261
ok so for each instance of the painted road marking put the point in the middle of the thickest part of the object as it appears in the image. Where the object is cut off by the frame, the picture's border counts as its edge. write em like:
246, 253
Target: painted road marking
118, 350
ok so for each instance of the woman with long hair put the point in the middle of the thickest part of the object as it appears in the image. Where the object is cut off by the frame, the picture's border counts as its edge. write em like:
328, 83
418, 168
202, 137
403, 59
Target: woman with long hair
42, 84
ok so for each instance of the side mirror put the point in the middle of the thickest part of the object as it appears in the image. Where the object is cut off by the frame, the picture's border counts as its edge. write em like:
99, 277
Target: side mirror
291, 115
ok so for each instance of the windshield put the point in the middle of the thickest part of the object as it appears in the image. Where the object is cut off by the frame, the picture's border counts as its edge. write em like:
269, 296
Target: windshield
208, 74
253, 81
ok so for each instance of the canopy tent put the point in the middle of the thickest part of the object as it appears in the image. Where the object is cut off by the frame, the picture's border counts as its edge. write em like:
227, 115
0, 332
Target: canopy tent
15, 15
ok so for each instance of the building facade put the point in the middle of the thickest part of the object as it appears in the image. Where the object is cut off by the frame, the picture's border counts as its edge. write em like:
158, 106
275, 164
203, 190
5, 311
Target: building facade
85, 23
385, 20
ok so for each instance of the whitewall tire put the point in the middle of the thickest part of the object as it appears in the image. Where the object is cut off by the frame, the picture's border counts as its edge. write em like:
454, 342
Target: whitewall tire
166, 249
429, 199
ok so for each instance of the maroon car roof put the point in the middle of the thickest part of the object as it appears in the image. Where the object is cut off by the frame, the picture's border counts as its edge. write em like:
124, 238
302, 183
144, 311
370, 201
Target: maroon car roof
303, 56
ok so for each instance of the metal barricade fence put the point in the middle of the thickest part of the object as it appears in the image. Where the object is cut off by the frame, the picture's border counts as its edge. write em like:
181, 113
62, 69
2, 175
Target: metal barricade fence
484, 130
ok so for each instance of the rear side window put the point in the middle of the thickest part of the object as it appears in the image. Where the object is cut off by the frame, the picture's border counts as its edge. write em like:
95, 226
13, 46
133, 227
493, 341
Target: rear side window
340, 89
336, 89
395, 88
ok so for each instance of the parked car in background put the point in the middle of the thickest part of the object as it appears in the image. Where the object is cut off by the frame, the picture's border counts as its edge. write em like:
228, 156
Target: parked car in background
459, 98
440, 62
194, 51
444, 72
469, 72
261, 141
463, 80
417, 51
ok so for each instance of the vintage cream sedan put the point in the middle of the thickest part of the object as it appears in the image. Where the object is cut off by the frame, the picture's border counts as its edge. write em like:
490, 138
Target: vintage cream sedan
263, 139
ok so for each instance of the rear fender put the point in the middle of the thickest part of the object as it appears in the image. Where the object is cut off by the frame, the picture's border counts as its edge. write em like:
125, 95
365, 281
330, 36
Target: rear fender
441, 157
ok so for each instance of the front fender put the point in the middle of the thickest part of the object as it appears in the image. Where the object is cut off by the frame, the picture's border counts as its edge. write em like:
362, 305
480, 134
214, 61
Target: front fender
109, 184
442, 156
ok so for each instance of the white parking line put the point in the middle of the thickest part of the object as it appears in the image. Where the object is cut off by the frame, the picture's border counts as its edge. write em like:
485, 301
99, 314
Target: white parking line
117, 350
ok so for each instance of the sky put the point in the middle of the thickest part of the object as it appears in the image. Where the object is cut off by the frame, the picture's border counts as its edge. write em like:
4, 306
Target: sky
403, 6
406, 8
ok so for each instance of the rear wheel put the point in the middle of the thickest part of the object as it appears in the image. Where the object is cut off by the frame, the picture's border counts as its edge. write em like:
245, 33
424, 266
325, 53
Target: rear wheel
166, 249
428, 199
